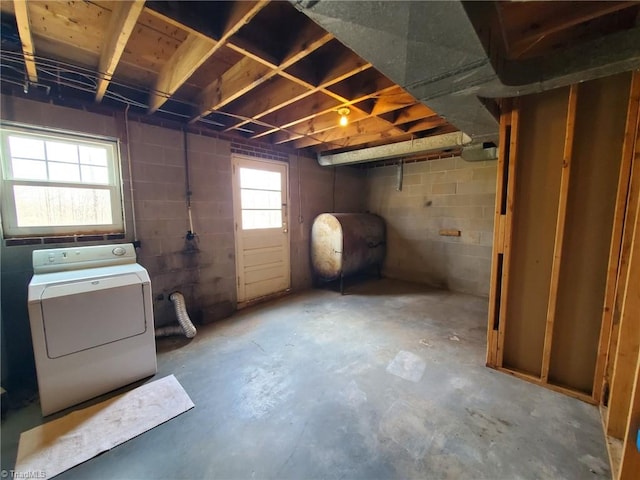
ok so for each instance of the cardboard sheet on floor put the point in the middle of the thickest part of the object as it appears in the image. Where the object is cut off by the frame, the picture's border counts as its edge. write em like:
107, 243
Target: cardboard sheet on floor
63, 443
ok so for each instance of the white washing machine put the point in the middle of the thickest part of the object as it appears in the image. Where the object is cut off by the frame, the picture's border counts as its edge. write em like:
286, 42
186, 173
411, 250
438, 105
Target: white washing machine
91, 317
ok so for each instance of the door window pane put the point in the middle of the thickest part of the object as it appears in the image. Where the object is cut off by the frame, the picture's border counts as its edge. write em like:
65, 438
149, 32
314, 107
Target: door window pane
253, 219
259, 199
259, 179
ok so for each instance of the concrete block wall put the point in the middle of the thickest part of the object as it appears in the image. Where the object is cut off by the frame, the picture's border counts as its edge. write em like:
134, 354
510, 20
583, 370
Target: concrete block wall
447, 193
202, 269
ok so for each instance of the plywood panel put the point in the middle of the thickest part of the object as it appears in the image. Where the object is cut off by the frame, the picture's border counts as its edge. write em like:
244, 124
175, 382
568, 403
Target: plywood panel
599, 133
540, 150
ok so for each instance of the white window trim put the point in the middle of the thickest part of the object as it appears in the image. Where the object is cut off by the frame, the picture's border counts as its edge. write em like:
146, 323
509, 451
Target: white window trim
9, 217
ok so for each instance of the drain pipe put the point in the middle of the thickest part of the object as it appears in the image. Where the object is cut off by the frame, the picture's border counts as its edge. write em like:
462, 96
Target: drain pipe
186, 327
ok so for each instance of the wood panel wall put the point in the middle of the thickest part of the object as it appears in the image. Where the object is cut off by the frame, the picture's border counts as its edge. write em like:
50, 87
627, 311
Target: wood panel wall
558, 180
564, 307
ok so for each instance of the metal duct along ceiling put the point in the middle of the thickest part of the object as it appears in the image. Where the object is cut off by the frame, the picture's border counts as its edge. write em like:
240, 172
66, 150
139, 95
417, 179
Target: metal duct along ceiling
433, 51
434, 143
429, 48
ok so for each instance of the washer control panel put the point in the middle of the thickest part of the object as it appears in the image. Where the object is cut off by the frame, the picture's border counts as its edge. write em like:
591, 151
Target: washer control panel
76, 258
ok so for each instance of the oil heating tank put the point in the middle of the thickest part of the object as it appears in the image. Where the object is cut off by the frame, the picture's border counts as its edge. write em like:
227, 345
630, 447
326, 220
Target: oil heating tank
346, 243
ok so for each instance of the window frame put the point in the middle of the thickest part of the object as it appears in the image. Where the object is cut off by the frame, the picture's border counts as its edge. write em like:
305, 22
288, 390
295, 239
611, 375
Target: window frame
10, 226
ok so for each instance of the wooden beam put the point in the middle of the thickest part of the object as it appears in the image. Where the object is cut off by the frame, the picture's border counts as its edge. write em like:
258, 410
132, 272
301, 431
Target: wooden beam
21, 9
364, 127
607, 334
234, 83
317, 106
123, 20
508, 228
394, 100
628, 369
560, 230
574, 16
493, 317
630, 461
424, 124
278, 95
316, 126
196, 50
629, 328
191, 53
415, 112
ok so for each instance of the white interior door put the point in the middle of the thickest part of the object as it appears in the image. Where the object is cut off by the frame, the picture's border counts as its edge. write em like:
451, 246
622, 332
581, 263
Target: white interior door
261, 227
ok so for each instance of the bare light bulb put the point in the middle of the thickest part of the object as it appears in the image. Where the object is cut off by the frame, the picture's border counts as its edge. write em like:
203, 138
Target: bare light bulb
343, 112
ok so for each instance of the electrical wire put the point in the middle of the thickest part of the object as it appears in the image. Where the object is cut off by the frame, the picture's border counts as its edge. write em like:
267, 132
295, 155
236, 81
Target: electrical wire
45, 65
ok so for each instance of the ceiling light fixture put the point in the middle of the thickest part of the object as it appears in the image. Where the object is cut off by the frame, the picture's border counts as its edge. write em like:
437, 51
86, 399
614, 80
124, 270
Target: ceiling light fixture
343, 112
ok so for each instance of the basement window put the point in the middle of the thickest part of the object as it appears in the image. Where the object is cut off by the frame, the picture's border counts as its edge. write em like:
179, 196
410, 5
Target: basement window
59, 183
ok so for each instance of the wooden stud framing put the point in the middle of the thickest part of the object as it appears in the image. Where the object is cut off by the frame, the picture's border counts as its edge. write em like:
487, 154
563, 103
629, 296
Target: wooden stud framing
628, 343
606, 345
556, 388
498, 237
21, 8
560, 224
508, 228
123, 20
630, 461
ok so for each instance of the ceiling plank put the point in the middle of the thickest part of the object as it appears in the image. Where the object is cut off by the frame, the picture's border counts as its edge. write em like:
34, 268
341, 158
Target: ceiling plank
187, 58
196, 50
424, 124
235, 82
413, 113
280, 96
24, 29
224, 90
554, 23
393, 100
123, 20
292, 117
364, 127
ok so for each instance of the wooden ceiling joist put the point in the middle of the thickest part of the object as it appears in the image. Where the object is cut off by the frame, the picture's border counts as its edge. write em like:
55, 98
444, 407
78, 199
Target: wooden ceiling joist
123, 20
367, 126
196, 50
223, 91
280, 96
556, 22
21, 8
258, 68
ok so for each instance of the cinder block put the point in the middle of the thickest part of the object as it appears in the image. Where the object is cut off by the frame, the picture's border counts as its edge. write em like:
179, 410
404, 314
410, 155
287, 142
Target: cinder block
486, 173
443, 188
442, 164
477, 186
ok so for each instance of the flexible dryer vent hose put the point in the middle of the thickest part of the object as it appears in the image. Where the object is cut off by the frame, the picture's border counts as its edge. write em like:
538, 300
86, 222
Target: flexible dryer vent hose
186, 326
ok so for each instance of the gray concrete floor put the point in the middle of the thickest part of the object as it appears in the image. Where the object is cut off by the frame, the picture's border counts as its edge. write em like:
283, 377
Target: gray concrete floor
387, 381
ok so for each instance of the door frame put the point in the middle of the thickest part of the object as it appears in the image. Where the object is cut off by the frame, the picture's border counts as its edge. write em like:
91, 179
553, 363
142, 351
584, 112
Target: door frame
236, 158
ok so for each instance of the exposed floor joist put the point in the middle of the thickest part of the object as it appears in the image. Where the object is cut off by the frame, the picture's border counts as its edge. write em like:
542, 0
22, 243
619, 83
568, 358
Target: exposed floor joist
123, 20
24, 28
